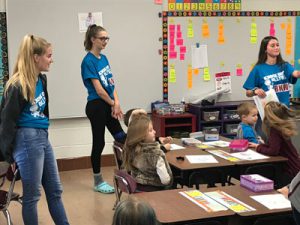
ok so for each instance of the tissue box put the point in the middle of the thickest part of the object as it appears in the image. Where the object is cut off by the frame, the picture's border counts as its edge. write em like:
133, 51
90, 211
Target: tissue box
256, 183
238, 145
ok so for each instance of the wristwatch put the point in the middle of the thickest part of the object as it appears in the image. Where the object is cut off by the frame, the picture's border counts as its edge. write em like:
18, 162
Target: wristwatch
253, 91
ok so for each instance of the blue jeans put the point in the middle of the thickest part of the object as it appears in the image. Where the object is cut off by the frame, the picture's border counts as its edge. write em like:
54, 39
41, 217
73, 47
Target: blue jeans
35, 159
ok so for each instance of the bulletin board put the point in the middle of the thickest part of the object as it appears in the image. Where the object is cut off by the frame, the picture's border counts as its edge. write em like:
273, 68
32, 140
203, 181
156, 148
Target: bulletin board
235, 56
134, 29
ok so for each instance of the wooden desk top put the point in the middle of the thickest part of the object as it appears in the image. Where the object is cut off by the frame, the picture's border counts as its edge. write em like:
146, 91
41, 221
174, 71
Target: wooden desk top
243, 195
189, 150
186, 165
172, 207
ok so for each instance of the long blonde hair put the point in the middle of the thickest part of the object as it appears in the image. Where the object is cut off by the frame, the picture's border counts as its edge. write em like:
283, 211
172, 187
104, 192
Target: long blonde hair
281, 118
136, 134
25, 72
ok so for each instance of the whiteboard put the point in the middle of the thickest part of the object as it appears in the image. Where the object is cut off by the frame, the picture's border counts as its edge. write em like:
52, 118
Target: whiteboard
134, 29
237, 50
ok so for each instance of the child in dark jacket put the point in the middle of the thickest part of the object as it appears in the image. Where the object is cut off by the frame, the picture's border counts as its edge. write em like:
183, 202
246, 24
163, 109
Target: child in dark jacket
143, 157
279, 125
135, 113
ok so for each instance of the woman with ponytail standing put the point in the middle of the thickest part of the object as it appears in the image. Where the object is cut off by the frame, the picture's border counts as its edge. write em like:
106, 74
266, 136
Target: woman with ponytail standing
24, 122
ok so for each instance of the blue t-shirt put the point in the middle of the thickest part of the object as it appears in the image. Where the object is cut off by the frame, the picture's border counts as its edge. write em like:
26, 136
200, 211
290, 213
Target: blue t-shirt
277, 77
245, 131
32, 115
95, 68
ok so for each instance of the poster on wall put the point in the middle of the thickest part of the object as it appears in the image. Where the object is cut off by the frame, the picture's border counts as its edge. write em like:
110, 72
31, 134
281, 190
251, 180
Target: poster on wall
89, 18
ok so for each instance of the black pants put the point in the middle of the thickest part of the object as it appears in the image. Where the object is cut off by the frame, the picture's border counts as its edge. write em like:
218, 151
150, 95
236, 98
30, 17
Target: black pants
99, 114
296, 215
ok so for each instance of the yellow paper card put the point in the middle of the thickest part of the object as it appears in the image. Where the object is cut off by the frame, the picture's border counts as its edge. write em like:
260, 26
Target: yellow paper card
172, 74
253, 40
206, 74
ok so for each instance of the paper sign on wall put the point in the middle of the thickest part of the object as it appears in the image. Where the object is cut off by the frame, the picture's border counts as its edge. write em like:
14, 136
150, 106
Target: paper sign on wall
199, 56
223, 81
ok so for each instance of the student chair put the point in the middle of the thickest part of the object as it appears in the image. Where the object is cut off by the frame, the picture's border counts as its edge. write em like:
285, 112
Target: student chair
276, 220
118, 150
210, 177
6, 191
123, 182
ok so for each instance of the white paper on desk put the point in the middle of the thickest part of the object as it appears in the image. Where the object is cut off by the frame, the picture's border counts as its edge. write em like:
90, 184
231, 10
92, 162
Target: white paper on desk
261, 102
229, 201
249, 155
220, 144
203, 201
273, 201
201, 159
176, 147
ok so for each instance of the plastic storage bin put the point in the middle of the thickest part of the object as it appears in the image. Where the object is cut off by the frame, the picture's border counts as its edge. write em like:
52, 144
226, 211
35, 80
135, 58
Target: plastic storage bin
211, 116
197, 135
211, 128
256, 183
231, 128
231, 115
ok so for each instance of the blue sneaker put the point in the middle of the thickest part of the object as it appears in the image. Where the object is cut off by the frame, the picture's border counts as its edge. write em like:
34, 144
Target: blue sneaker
105, 188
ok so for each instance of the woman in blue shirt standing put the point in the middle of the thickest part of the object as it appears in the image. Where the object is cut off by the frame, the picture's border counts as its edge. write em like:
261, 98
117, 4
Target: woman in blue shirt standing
24, 126
103, 107
270, 72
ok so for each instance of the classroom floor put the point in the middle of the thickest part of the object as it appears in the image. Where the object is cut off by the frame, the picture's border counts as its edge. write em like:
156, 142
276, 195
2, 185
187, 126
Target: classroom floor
82, 204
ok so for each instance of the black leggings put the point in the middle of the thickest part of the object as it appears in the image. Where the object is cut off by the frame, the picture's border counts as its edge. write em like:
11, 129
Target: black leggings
99, 114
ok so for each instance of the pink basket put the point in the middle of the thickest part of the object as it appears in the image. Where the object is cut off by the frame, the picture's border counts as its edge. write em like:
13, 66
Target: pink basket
238, 145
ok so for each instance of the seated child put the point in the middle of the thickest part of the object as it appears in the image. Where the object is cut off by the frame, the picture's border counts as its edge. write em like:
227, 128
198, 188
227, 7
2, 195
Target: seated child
135, 113
292, 191
134, 212
248, 114
143, 157
279, 125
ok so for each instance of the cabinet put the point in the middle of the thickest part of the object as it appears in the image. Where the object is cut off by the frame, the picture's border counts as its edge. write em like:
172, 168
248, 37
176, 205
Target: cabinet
221, 116
174, 125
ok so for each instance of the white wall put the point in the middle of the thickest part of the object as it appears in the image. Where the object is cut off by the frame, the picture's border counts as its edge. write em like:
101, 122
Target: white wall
72, 137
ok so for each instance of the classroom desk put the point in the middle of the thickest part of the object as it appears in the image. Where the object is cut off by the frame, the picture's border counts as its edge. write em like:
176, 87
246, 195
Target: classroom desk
173, 208
183, 168
248, 218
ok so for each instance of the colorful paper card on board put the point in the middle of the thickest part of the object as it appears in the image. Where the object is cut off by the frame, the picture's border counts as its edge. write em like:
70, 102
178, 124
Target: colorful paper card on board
190, 77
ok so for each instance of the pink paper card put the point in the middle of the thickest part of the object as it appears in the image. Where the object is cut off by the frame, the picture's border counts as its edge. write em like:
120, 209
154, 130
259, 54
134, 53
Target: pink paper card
158, 2
182, 49
239, 71
182, 56
172, 35
179, 35
172, 55
179, 41
172, 48
172, 27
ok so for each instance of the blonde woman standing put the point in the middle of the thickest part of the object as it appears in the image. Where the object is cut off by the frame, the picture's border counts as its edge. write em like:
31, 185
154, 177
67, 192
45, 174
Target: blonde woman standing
24, 126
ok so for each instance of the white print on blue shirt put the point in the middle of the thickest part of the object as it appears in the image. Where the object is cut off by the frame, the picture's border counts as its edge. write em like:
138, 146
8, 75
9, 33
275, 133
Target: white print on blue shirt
274, 78
103, 74
35, 108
